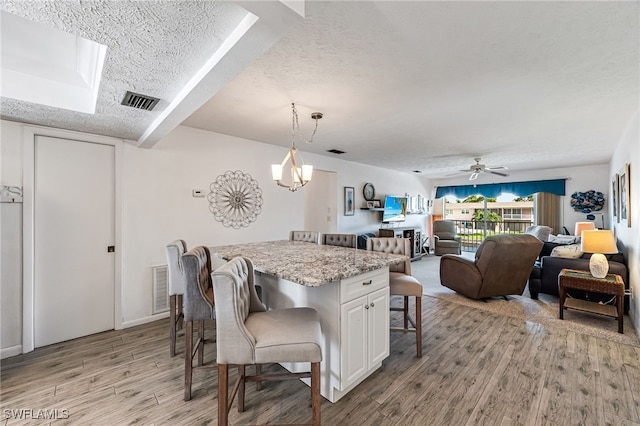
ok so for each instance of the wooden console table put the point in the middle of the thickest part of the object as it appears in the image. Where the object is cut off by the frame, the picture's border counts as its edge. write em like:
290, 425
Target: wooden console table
583, 280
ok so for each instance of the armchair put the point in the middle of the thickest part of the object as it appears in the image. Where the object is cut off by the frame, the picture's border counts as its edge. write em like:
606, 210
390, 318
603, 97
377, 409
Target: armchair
445, 239
501, 267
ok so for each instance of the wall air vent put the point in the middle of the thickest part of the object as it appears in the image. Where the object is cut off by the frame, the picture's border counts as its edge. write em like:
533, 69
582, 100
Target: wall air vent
335, 151
160, 287
136, 100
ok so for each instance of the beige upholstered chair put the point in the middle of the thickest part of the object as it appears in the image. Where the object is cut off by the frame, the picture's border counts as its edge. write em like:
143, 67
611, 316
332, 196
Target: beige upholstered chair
402, 283
249, 334
342, 240
199, 306
306, 236
174, 251
501, 267
445, 239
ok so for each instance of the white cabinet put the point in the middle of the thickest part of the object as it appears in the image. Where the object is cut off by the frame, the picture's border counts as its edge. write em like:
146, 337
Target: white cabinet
354, 317
364, 333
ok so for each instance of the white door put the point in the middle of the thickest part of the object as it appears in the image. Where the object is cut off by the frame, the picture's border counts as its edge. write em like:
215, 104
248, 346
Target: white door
320, 202
74, 223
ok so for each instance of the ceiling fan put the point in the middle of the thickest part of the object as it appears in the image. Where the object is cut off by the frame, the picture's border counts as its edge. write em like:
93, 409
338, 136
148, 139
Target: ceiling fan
478, 168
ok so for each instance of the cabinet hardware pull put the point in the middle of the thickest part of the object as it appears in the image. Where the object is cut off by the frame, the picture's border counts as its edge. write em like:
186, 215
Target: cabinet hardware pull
367, 282
372, 304
366, 306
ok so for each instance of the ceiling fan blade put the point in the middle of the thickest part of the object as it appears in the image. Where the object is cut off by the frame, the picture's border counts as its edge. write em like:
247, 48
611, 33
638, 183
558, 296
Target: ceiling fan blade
497, 168
473, 176
496, 173
457, 173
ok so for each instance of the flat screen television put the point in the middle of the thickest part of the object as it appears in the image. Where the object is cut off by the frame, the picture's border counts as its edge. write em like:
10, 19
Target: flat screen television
395, 209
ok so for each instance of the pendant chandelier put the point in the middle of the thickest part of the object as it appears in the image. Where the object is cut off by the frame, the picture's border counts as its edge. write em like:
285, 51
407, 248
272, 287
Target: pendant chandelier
300, 172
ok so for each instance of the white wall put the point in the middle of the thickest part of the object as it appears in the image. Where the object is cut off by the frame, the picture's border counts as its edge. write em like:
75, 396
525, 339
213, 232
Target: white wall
581, 179
628, 151
10, 242
157, 207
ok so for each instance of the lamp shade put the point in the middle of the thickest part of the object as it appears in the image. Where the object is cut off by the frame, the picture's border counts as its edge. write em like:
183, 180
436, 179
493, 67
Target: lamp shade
598, 241
583, 226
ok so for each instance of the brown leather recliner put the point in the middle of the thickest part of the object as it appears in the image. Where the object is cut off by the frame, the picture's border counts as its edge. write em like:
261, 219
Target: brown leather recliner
501, 267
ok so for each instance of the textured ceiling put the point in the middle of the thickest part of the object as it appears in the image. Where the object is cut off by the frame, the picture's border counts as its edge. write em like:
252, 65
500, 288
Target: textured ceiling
431, 85
153, 48
402, 85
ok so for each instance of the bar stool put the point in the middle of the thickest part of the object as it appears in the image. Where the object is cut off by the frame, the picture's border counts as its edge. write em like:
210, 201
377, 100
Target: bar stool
249, 334
174, 251
402, 283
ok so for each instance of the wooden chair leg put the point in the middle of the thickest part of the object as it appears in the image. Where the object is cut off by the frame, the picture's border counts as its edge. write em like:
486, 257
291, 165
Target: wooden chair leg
200, 343
188, 366
180, 317
419, 325
172, 325
315, 393
223, 394
258, 373
405, 312
241, 385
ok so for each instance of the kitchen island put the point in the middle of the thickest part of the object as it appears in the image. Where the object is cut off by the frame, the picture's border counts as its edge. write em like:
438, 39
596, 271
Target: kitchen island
348, 287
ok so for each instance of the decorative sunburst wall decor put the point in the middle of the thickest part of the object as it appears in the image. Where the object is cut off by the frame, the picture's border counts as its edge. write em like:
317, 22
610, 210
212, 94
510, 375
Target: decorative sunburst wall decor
235, 199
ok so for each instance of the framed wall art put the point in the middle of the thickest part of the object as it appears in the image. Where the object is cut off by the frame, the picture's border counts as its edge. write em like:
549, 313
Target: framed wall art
625, 195
349, 201
615, 197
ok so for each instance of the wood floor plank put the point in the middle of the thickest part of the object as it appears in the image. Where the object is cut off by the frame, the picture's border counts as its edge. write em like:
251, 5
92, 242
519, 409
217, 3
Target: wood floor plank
477, 368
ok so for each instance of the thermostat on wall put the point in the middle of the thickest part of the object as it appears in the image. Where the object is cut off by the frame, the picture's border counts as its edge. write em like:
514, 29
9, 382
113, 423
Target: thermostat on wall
198, 193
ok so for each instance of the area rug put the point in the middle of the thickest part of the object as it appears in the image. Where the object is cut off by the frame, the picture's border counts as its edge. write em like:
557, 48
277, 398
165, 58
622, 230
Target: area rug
543, 311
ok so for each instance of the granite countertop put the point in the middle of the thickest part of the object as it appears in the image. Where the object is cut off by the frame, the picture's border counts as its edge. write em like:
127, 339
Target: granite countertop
308, 264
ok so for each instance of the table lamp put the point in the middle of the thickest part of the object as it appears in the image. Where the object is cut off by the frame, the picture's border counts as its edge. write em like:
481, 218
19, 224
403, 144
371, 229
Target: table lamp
583, 226
599, 243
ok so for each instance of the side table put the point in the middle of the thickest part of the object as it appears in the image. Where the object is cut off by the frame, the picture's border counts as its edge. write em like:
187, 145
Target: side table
583, 280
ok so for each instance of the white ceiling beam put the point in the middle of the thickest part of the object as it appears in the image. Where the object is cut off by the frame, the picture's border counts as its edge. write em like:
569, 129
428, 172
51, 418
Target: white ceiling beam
265, 23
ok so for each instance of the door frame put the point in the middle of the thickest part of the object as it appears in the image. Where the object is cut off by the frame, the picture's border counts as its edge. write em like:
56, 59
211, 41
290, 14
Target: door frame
29, 134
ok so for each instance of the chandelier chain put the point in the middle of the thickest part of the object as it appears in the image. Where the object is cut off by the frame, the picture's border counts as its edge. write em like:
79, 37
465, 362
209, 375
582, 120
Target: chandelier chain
296, 126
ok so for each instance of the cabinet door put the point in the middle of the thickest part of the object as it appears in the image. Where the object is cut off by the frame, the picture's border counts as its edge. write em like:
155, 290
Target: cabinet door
353, 331
378, 326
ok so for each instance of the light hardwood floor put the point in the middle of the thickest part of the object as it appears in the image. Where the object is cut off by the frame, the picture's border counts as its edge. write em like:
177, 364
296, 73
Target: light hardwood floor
477, 368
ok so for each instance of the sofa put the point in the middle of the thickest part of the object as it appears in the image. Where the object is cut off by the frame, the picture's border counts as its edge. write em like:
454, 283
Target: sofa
544, 276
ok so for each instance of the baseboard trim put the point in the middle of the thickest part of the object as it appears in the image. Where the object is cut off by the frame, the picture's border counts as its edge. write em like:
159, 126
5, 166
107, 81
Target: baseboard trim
10, 351
145, 320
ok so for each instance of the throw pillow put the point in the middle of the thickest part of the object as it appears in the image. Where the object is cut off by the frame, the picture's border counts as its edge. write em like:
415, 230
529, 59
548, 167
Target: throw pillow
563, 239
571, 251
539, 231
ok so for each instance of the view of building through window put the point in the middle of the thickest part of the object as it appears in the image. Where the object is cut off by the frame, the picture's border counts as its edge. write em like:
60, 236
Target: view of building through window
477, 217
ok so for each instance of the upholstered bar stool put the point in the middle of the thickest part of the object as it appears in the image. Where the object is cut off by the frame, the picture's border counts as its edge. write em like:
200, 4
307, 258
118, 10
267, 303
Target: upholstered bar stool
306, 236
174, 251
341, 240
402, 283
198, 306
249, 334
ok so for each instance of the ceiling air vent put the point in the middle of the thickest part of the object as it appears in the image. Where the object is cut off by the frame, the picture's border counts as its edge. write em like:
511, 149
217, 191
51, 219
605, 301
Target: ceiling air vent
335, 151
136, 100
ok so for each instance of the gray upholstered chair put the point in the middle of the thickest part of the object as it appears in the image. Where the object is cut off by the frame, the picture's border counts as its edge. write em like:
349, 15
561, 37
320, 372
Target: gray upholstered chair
402, 283
174, 251
445, 239
247, 334
199, 306
342, 240
306, 236
501, 267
